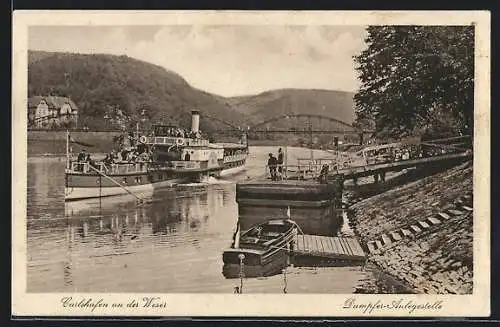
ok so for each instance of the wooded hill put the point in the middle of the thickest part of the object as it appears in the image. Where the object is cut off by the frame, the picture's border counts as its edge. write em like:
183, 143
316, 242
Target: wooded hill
267, 105
97, 83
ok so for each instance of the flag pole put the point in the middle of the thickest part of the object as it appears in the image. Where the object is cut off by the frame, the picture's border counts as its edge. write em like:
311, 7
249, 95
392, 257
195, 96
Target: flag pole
67, 149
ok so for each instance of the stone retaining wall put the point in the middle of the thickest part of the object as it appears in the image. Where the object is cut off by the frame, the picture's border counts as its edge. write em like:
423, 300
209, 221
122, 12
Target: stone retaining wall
436, 259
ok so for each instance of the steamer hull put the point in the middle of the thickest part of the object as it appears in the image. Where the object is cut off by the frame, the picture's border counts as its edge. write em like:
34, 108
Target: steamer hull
74, 193
139, 179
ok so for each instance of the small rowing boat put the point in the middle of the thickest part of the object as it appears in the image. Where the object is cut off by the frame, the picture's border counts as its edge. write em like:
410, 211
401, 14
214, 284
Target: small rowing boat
263, 250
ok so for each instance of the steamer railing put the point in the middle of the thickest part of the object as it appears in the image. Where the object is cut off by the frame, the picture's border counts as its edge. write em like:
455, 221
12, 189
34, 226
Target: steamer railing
125, 168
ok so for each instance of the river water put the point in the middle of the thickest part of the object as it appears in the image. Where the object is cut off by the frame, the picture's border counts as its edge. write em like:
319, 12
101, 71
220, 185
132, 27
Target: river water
171, 244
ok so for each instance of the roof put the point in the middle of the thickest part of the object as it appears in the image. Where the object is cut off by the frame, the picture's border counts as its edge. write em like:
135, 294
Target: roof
54, 102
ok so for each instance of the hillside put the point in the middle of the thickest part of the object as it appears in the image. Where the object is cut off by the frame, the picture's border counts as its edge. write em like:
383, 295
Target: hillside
97, 82
266, 105
34, 56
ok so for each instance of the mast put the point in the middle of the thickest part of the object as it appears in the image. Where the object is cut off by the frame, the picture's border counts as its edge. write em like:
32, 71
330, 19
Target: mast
311, 139
286, 159
67, 150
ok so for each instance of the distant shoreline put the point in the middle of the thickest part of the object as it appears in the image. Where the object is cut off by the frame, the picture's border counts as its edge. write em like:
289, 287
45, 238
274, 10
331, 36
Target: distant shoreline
52, 144
48, 143
57, 157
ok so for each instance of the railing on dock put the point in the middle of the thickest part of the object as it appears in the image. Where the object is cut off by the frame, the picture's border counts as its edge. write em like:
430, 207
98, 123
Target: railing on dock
312, 168
295, 171
333, 163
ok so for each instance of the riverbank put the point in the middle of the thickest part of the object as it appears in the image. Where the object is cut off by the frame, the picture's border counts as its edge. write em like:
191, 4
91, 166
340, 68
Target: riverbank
47, 143
58, 157
51, 143
54, 142
438, 258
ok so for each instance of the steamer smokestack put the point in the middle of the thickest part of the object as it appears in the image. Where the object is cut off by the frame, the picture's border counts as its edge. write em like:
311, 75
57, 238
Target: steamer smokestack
195, 121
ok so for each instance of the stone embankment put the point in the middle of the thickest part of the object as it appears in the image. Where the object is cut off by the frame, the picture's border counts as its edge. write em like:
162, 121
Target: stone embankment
421, 233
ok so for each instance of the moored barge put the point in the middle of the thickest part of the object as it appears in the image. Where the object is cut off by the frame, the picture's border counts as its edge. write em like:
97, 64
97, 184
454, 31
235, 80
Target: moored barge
316, 207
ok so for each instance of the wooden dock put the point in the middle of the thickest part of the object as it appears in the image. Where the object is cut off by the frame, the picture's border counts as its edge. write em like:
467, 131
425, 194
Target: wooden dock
314, 250
372, 169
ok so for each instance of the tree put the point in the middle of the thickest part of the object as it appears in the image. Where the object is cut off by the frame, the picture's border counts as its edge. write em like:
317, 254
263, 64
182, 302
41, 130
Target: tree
412, 74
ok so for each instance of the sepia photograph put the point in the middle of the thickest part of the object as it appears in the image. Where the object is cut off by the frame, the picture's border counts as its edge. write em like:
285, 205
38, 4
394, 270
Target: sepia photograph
229, 157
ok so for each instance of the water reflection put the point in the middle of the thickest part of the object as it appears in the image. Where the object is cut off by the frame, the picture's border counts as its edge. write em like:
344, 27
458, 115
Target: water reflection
173, 242
185, 211
68, 281
131, 240
44, 188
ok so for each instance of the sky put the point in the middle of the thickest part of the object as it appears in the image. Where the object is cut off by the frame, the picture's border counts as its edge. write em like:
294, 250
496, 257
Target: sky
225, 60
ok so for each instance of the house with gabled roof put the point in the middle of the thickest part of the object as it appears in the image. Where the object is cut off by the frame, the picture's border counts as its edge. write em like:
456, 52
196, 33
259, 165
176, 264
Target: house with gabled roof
49, 111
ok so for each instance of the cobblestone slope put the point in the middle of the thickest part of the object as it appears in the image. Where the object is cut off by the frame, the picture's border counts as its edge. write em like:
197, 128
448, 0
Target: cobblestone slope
421, 233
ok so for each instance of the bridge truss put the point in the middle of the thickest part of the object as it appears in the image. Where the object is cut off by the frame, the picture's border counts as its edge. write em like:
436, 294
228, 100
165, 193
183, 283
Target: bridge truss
298, 124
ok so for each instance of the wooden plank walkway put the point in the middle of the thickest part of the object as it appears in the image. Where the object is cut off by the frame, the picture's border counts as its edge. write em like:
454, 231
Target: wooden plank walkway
328, 247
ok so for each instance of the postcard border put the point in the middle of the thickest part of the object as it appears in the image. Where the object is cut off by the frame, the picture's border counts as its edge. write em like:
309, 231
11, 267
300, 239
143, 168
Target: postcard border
47, 304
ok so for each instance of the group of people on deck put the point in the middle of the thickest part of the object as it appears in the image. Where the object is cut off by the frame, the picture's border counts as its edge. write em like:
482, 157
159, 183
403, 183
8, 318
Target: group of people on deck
84, 157
127, 156
276, 166
180, 132
123, 156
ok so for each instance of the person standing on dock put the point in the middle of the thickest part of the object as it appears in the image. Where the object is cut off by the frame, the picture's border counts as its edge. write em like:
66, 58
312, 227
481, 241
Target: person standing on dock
272, 163
280, 163
323, 175
82, 156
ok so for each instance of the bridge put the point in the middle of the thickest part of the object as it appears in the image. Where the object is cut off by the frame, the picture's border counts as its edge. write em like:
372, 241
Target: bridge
308, 123
297, 124
313, 128
300, 122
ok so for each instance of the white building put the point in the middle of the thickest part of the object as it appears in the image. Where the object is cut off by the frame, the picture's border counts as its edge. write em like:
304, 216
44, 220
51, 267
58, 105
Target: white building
51, 111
